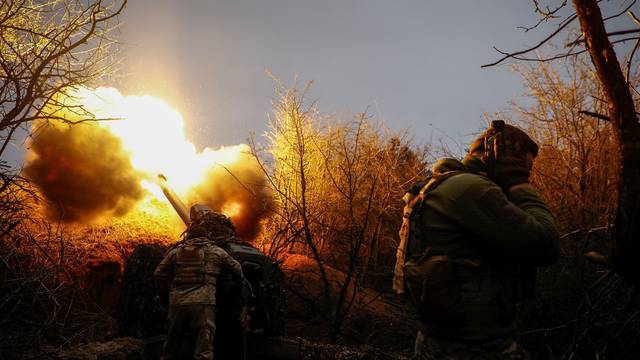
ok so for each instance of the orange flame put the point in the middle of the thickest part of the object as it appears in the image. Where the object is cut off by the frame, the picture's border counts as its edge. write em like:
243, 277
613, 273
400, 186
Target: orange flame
152, 135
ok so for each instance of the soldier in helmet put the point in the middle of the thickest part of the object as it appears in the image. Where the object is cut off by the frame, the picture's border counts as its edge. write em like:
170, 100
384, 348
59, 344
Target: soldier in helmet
218, 226
192, 269
471, 240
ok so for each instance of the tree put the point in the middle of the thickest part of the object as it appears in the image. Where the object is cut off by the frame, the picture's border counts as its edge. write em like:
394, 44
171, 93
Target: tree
622, 115
337, 187
576, 173
585, 119
47, 48
576, 170
621, 108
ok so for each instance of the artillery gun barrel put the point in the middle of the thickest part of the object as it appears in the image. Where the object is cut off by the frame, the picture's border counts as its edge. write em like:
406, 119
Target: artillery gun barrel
174, 200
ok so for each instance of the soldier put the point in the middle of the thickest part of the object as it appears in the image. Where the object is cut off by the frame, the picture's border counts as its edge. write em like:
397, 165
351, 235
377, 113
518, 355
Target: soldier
219, 227
192, 269
472, 238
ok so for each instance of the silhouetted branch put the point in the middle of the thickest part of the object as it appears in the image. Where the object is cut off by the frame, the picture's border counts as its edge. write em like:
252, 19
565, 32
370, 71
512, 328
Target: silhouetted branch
514, 55
621, 12
613, 33
546, 14
595, 115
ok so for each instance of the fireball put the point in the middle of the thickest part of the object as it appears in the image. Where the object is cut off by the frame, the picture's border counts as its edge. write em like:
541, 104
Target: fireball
153, 133
100, 169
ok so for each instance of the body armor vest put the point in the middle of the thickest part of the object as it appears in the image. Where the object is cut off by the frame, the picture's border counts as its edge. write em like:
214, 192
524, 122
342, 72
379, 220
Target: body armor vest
196, 264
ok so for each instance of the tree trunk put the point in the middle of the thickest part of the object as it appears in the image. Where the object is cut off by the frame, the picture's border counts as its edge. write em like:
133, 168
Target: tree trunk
627, 131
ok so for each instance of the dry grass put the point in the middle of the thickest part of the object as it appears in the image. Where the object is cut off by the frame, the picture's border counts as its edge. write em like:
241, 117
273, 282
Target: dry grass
377, 319
60, 282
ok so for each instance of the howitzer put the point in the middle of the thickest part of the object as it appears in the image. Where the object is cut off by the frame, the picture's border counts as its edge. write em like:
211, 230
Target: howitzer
174, 200
266, 306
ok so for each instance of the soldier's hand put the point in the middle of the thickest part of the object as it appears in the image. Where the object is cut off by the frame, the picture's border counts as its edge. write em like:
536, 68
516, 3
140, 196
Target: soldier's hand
244, 318
509, 154
510, 171
508, 144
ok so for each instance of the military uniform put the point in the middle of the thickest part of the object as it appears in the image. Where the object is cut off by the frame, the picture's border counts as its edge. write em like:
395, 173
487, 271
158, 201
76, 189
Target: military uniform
192, 268
473, 256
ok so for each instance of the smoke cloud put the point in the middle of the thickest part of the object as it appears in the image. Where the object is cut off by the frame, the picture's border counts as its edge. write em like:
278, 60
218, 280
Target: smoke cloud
83, 171
239, 190
95, 170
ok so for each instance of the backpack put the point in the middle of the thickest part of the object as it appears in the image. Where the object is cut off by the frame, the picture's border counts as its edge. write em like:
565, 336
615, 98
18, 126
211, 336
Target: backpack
411, 233
442, 288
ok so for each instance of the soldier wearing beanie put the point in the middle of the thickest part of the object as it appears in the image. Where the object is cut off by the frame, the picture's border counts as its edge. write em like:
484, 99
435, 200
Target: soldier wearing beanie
470, 244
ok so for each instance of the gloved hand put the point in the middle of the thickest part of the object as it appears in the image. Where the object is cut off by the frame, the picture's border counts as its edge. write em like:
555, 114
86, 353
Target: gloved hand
508, 158
510, 171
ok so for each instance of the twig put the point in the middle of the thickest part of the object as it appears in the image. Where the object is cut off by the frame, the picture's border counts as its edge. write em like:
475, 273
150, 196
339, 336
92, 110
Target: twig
522, 52
595, 115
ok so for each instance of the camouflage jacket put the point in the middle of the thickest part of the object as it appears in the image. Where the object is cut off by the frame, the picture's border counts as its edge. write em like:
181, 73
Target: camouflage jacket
470, 217
191, 269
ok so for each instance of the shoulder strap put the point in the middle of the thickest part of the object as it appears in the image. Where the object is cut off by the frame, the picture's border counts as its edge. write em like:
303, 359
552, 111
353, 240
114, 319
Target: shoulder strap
436, 180
413, 206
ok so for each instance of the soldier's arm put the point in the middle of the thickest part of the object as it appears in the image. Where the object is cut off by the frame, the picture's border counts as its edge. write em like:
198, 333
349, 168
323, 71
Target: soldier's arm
232, 265
164, 271
518, 226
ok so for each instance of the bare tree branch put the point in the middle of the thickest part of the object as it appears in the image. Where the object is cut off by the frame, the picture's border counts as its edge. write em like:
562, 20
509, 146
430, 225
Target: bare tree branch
47, 47
595, 115
506, 56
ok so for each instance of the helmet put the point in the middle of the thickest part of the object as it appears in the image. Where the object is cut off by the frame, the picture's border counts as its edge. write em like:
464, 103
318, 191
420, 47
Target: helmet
515, 142
198, 212
215, 223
